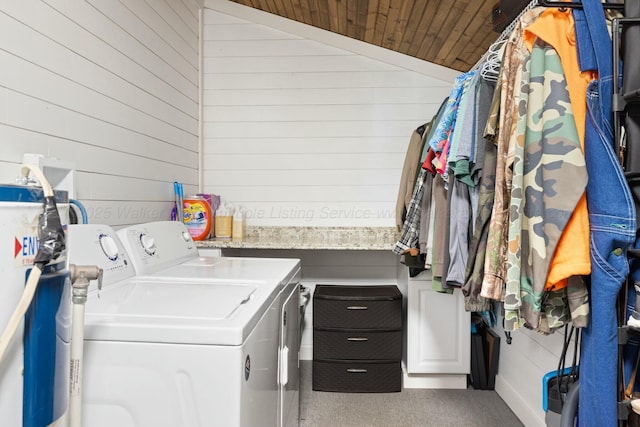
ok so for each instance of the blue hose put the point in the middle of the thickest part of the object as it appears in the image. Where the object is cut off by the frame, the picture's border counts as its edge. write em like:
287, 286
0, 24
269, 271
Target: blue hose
83, 211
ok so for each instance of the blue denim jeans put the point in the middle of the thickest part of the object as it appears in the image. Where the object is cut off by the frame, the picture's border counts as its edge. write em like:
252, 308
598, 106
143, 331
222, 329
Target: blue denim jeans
612, 224
612, 220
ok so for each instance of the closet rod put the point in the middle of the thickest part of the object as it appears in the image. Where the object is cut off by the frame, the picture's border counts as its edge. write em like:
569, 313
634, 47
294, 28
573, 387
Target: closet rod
577, 5
504, 35
544, 3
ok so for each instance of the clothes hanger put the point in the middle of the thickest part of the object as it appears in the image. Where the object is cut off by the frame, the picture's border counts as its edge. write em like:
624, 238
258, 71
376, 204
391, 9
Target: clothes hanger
492, 68
493, 61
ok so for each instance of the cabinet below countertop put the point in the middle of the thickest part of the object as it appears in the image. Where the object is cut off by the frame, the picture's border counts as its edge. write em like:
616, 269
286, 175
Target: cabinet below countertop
438, 353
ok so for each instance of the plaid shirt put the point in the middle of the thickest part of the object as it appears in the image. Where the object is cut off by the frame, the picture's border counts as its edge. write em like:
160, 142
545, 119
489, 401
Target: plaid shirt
411, 227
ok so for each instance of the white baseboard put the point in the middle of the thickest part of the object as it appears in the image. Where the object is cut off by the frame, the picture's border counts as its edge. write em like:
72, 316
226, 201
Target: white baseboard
528, 415
435, 381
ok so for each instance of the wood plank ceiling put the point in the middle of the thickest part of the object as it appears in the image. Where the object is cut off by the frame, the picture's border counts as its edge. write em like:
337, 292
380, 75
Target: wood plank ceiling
451, 33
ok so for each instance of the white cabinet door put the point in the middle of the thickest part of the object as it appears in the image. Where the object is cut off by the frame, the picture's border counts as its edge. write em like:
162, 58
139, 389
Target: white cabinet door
438, 331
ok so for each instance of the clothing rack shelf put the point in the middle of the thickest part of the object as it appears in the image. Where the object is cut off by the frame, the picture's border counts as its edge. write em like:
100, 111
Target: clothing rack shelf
577, 5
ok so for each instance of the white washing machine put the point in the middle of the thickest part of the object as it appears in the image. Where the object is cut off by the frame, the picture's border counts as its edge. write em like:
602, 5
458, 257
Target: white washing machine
164, 250
179, 352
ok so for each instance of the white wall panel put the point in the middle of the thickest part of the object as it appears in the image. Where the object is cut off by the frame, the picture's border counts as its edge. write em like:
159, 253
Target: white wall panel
120, 213
312, 193
40, 116
51, 88
138, 41
294, 64
107, 46
292, 162
280, 145
34, 47
187, 12
305, 132
328, 79
115, 187
315, 112
311, 96
300, 129
110, 86
163, 31
274, 47
317, 213
304, 177
245, 31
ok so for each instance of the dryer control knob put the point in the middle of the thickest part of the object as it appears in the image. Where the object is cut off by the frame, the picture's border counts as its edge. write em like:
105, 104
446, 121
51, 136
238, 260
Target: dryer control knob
148, 244
186, 236
108, 246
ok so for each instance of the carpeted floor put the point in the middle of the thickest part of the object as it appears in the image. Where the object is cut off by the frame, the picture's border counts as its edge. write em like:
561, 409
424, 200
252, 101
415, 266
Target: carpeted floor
409, 408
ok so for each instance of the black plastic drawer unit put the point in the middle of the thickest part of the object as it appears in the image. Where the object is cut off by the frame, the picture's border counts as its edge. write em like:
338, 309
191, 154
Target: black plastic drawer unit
357, 338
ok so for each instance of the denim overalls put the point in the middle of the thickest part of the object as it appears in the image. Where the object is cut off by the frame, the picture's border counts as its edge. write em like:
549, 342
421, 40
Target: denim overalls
612, 220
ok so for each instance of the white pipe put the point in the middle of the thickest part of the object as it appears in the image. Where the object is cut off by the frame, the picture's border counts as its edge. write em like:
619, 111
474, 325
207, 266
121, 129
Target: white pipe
80, 276
77, 353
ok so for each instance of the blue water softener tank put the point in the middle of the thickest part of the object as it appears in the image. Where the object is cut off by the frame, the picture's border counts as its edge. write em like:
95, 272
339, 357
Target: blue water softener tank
34, 374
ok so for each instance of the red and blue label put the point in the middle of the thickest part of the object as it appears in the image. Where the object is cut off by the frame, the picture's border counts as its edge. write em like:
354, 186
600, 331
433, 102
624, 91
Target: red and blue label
25, 249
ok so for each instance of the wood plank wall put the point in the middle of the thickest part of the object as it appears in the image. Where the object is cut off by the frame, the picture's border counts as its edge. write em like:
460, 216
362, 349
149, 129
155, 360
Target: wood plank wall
111, 86
300, 132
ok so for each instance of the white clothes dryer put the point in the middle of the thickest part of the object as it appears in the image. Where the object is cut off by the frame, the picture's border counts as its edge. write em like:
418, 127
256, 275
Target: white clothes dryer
177, 352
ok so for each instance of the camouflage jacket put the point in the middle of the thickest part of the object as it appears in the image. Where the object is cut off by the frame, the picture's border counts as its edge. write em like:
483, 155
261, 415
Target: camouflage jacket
549, 177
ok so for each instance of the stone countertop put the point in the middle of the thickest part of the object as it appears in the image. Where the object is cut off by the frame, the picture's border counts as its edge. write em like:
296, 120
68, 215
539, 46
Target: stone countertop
336, 238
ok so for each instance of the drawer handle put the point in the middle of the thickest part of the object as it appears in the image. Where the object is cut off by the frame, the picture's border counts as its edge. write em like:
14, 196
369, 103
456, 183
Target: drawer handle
357, 339
357, 307
356, 371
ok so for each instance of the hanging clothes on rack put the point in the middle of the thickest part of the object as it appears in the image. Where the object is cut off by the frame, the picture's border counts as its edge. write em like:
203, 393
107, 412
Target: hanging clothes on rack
476, 229
495, 268
630, 158
555, 27
408, 242
440, 140
549, 178
461, 191
486, 133
549, 303
571, 258
410, 172
545, 215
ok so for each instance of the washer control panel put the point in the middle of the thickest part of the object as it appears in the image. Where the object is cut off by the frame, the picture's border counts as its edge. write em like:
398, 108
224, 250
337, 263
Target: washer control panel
97, 244
154, 246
